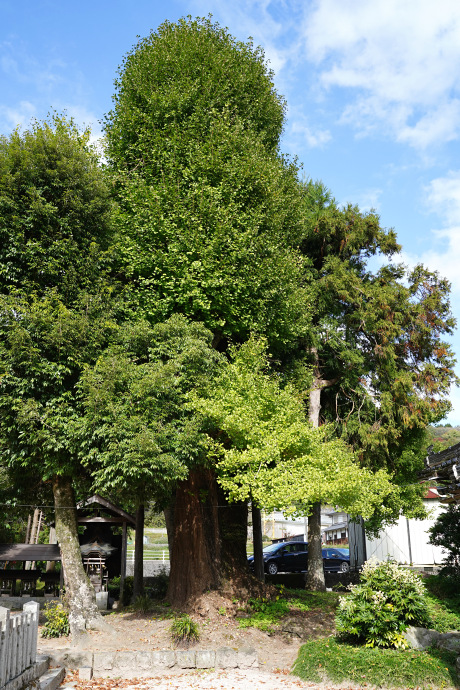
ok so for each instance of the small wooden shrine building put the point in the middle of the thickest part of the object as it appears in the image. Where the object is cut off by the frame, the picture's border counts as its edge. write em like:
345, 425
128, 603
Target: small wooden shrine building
103, 547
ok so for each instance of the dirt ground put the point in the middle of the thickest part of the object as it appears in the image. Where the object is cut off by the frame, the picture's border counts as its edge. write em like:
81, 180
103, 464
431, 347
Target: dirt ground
219, 628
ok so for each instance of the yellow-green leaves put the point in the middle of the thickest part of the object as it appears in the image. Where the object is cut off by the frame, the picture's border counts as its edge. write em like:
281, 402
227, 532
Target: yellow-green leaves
269, 453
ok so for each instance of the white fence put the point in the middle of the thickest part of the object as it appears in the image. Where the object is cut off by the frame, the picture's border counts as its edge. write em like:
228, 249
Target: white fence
18, 641
156, 555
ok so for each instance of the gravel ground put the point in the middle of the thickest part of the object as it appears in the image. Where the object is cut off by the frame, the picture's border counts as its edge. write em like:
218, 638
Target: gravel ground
250, 679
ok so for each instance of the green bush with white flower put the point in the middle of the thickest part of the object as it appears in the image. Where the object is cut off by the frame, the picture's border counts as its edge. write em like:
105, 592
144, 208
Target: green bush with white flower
388, 599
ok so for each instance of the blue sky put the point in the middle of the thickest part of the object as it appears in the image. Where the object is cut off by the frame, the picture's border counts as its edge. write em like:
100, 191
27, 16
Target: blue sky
373, 92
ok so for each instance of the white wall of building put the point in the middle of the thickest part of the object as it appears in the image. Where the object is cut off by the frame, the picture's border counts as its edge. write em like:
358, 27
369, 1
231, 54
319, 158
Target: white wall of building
407, 541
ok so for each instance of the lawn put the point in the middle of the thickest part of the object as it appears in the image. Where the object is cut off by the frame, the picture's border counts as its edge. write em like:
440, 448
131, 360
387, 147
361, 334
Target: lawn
331, 660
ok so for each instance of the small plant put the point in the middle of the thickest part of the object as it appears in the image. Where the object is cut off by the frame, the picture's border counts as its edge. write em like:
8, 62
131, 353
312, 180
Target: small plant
159, 583
57, 620
264, 614
184, 629
223, 611
379, 609
143, 604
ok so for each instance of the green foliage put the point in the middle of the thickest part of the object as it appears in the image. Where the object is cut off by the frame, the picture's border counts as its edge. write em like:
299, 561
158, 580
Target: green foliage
143, 604
388, 599
158, 584
264, 614
137, 436
184, 630
192, 142
446, 533
443, 597
333, 662
442, 436
268, 452
57, 621
56, 302
113, 587
55, 210
378, 342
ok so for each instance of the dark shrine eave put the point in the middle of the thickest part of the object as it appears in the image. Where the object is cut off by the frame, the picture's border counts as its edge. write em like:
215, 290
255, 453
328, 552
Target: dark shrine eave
443, 470
96, 502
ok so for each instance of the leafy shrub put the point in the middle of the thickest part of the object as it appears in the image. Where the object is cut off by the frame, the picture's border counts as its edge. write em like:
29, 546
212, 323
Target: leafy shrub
379, 609
158, 584
184, 629
57, 620
446, 533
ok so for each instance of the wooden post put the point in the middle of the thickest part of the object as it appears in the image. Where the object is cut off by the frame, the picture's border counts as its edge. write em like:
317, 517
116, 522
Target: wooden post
257, 541
124, 541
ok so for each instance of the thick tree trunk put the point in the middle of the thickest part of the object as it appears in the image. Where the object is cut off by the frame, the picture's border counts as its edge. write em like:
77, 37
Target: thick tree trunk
315, 574
81, 598
138, 584
196, 550
258, 546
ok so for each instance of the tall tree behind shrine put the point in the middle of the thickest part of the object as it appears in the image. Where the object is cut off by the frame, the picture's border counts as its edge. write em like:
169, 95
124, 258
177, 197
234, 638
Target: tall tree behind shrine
55, 229
208, 215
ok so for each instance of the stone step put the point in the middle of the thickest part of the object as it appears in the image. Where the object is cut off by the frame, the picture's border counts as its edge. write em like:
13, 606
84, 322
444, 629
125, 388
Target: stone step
51, 679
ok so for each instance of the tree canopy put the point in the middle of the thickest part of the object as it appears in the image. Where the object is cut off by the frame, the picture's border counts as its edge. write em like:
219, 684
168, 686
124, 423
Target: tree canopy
208, 208
268, 452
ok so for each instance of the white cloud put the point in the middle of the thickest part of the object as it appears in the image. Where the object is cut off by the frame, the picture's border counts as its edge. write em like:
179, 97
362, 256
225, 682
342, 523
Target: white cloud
402, 57
313, 138
442, 197
10, 118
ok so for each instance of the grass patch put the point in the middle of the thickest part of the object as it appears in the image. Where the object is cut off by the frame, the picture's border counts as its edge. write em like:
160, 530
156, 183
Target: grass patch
301, 598
329, 660
266, 614
443, 602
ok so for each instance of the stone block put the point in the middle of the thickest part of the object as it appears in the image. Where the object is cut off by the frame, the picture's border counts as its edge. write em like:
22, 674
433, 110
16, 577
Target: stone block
103, 661
52, 679
143, 661
226, 657
450, 642
205, 659
71, 657
85, 672
247, 658
164, 658
185, 658
421, 638
124, 660
102, 599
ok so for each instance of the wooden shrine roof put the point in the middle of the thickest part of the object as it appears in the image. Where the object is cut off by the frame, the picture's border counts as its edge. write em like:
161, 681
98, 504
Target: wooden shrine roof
30, 552
443, 470
86, 508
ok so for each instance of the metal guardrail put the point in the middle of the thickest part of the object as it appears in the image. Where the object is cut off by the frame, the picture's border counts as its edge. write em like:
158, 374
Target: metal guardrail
18, 641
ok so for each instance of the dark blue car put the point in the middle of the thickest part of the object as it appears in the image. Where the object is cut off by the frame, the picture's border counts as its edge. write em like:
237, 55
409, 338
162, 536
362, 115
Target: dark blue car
292, 556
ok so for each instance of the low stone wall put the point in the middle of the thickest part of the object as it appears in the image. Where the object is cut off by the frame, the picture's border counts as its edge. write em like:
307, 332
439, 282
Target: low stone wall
16, 603
137, 664
151, 568
145, 664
